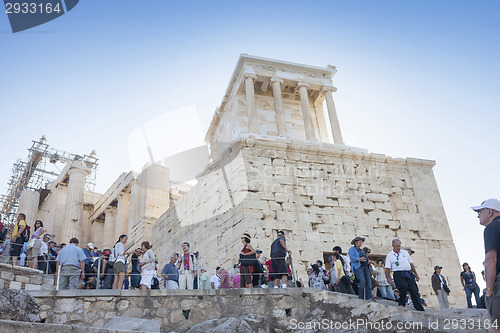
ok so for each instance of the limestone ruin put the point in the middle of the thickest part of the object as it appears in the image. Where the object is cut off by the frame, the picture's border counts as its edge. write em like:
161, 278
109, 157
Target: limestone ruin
272, 167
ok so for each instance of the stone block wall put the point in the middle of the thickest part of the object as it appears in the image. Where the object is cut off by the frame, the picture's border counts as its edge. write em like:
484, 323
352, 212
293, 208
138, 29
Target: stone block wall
16, 277
321, 195
248, 310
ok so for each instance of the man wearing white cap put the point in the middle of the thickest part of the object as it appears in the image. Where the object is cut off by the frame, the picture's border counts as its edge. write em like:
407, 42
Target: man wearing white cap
489, 216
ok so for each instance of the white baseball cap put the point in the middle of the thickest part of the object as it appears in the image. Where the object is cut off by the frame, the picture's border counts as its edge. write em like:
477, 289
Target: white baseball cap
91, 245
489, 203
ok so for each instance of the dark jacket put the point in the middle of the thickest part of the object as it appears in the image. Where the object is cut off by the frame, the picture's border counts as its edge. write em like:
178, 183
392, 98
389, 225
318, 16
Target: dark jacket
436, 282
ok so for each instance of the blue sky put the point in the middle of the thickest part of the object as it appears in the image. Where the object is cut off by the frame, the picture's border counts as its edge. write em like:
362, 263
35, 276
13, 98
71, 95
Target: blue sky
415, 79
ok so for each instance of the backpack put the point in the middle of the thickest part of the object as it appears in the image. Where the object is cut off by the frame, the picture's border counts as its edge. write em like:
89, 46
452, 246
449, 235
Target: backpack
112, 258
25, 235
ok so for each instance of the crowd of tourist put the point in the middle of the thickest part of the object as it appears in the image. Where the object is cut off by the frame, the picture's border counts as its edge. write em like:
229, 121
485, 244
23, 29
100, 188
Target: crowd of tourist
89, 267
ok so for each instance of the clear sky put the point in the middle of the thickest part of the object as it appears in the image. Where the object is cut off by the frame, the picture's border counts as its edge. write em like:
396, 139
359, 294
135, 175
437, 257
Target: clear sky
415, 79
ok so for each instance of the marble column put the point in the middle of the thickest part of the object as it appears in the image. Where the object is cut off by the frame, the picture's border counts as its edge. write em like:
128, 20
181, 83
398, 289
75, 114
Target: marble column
73, 212
109, 227
122, 212
97, 234
278, 106
133, 216
306, 112
332, 114
253, 121
28, 205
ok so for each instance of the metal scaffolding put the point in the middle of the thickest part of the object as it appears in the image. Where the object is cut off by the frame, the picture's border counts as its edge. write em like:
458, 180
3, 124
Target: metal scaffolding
41, 168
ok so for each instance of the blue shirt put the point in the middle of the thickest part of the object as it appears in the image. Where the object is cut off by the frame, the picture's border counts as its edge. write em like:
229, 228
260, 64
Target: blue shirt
171, 271
355, 254
70, 255
88, 255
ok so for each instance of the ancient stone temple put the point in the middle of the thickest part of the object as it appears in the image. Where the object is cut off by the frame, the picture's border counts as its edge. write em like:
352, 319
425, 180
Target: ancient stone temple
273, 167
130, 206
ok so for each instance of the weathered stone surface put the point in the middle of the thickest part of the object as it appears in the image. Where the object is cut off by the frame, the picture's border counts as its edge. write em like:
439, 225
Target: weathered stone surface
32, 287
134, 324
332, 190
15, 285
123, 304
36, 279
23, 279
7, 276
270, 309
66, 305
17, 305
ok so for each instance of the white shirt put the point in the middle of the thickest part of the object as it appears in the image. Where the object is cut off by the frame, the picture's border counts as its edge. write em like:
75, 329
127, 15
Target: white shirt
44, 249
442, 279
347, 262
403, 258
118, 252
216, 281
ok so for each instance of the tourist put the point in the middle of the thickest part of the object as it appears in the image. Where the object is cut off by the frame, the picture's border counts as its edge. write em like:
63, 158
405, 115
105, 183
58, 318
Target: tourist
36, 240
52, 256
195, 280
215, 279
247, 260
468, 280
320, 265
17, 240
440, 288
234, 271
420, 299
120, 265
342, 281
409, 250
270, 275
90, 285
135, 273
383, 286
5, 247
278, 262
236, 280
205, 279
187, 266
88, 253
43, 259
147, 265
347, 269
170, 273
3, 233
346, 260
332, 274
258, 271
70, 265
359, 262
317, 278
289, 277
371, 267
405, 274
225, 279
95, 253
489, 217
107, 275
